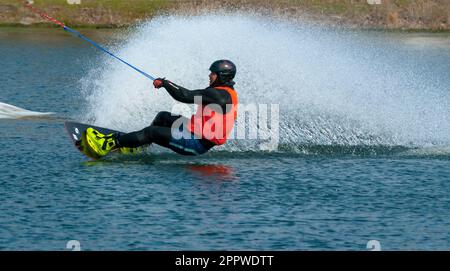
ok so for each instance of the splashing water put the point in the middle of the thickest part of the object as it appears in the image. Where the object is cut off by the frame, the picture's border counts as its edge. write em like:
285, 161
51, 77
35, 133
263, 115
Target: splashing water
334, 87
8, 111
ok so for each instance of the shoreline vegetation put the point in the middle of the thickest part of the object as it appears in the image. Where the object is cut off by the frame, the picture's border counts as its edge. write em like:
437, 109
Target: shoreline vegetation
393, 15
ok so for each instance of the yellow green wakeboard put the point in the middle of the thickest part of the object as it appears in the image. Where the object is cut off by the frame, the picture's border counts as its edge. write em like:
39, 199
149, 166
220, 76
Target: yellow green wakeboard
77, 132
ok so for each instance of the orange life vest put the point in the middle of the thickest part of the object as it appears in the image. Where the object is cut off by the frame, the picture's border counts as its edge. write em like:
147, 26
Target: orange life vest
209, 122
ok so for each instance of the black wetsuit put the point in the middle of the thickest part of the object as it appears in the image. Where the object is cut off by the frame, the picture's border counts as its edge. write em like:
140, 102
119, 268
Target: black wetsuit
160, 131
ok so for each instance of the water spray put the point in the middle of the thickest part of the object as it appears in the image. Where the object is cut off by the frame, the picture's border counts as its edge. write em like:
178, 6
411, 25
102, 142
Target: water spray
28, 4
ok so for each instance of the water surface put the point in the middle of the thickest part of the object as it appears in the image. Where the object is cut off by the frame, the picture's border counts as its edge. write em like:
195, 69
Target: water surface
335, 183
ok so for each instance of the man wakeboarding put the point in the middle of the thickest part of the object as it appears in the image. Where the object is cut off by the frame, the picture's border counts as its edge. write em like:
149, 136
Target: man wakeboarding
208, 127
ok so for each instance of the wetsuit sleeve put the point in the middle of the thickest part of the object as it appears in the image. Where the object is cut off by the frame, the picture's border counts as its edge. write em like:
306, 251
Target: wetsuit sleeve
209, 95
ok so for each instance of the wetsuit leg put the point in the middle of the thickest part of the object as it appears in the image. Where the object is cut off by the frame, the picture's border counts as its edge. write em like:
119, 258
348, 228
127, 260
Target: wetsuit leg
152, 134
161, 136
161, 133
165, 119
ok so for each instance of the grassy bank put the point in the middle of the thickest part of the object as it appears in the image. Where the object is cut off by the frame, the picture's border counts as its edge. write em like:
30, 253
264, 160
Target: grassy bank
90, 13
390, 14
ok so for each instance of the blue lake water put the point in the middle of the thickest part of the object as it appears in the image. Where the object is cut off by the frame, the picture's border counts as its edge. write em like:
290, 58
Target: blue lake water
330, 197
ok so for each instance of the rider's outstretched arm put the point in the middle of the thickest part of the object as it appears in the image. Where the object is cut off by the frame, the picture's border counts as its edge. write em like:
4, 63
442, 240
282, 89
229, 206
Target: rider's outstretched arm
209, 95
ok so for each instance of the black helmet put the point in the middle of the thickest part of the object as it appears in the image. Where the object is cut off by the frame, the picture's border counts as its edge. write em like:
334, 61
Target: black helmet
225, 70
